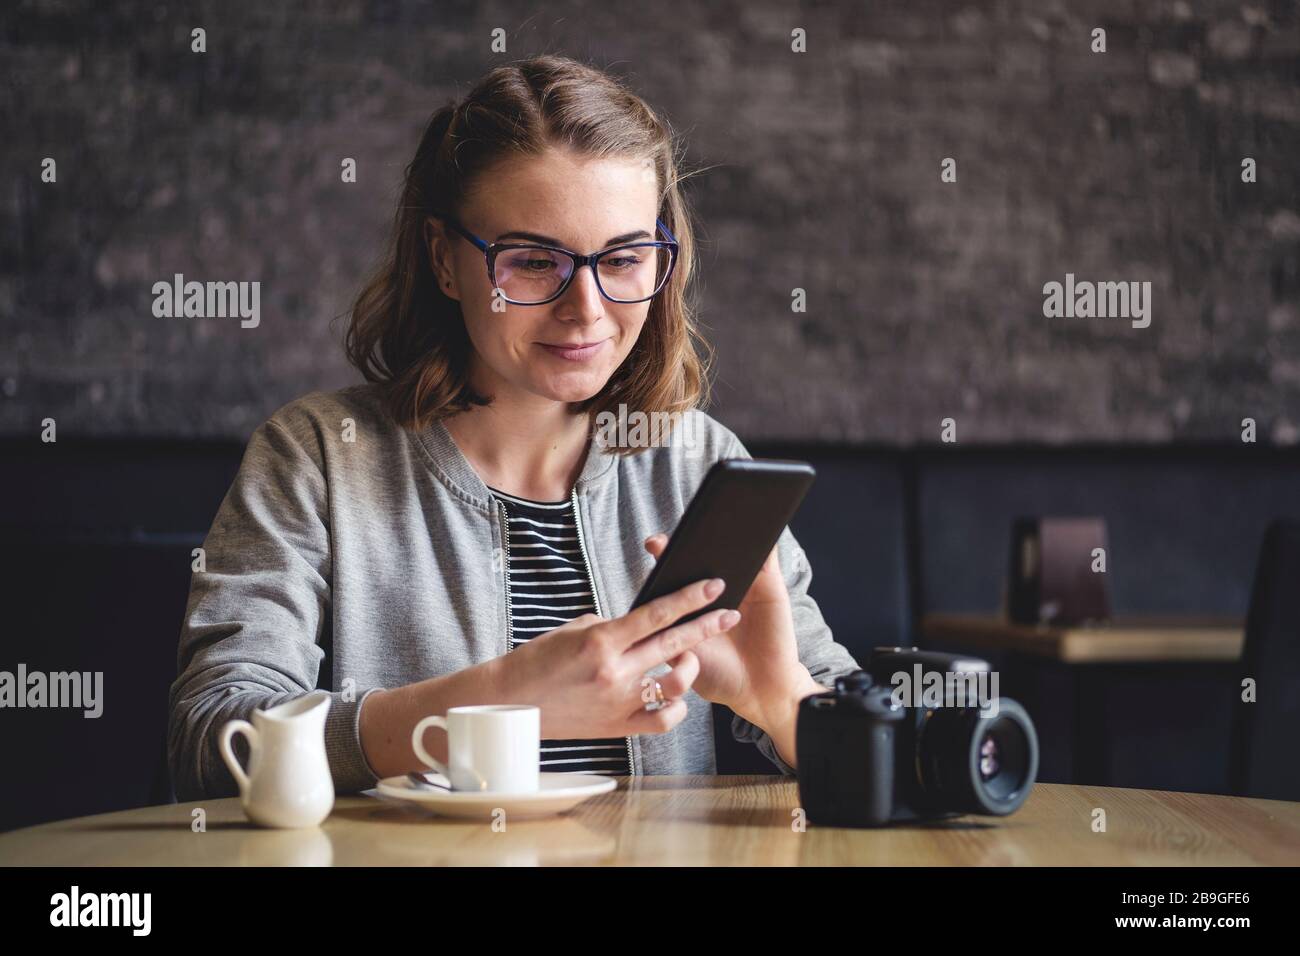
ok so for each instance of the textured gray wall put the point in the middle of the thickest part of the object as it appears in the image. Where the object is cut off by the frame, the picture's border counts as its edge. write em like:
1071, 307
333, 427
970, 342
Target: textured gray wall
924, 298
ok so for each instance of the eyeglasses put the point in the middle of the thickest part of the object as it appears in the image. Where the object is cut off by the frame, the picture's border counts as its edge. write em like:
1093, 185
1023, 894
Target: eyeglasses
532, 274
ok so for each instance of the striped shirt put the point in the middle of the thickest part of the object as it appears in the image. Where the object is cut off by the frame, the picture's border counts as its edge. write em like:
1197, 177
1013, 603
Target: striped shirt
549, 585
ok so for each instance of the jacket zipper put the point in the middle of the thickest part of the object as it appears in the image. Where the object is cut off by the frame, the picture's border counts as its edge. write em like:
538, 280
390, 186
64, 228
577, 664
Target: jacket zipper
582, 548
505, 572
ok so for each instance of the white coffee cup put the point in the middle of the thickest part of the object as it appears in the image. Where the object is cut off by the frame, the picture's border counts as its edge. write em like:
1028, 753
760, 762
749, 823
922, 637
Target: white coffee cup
492, 747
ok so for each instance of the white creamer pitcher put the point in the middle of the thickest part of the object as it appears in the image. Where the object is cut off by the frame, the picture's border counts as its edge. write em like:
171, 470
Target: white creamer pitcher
288, 783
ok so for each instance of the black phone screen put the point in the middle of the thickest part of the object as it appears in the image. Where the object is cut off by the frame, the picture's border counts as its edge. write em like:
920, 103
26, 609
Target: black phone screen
729, 528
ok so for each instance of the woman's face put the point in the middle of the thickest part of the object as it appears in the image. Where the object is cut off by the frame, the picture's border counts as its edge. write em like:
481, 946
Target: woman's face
563, 199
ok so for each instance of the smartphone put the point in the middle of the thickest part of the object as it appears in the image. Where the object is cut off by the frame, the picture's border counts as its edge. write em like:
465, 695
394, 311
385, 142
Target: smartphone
729, 528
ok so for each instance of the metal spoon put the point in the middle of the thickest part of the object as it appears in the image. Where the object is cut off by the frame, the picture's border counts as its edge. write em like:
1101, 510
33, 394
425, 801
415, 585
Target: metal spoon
422, 780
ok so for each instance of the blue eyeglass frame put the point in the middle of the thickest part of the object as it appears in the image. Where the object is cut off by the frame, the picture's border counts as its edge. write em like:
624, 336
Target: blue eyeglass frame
490, 251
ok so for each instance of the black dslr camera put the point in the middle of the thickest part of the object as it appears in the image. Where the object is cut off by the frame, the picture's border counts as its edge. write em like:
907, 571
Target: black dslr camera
885, 747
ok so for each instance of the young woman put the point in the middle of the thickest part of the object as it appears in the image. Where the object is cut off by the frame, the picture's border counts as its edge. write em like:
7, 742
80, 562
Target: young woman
454, 531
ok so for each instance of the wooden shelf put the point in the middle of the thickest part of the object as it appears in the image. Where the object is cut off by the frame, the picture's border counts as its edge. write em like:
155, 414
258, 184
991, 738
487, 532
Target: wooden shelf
1133, 640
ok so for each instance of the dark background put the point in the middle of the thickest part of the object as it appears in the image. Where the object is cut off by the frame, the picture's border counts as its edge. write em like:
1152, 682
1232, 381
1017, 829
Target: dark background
818, 171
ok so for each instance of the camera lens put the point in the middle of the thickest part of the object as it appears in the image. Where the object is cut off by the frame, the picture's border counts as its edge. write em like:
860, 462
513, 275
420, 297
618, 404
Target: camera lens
974, 764
989, 762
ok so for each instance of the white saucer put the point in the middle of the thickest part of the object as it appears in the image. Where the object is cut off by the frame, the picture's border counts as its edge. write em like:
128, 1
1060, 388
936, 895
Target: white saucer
556, 793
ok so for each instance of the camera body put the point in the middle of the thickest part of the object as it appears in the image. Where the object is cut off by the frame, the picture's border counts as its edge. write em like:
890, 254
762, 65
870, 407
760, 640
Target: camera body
870, 755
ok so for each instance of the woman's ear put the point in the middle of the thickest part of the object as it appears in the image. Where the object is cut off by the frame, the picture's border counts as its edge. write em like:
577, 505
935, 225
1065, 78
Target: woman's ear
433, 235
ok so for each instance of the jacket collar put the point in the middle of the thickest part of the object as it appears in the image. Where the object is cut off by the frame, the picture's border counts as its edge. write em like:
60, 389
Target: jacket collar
456, 469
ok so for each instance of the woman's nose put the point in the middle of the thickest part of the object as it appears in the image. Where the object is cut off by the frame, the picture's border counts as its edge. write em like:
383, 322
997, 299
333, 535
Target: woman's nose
583, 293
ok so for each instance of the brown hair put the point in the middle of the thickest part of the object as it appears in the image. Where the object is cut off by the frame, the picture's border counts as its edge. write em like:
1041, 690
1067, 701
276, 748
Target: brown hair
404, 332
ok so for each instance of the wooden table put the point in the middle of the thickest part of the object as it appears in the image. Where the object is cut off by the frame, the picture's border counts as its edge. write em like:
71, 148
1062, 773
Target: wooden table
1147, 640
692, 821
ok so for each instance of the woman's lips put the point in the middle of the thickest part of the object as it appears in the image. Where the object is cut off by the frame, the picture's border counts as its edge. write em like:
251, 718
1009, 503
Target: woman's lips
582, 354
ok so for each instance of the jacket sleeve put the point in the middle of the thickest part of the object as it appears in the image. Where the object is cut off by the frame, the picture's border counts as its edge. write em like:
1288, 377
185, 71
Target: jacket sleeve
818, 651
257, 613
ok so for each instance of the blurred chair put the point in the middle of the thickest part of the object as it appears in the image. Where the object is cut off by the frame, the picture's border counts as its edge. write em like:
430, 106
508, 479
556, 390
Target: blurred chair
96, 538
92, 602
1264, 759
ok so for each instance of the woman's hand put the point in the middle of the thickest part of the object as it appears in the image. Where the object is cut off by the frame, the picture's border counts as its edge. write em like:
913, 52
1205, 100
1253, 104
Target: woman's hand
754, 668
588, 675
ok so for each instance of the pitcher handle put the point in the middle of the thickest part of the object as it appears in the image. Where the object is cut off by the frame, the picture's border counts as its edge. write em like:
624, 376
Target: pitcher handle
228, 754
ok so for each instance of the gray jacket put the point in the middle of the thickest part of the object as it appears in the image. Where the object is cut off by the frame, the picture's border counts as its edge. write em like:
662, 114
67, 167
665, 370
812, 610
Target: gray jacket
352, 554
